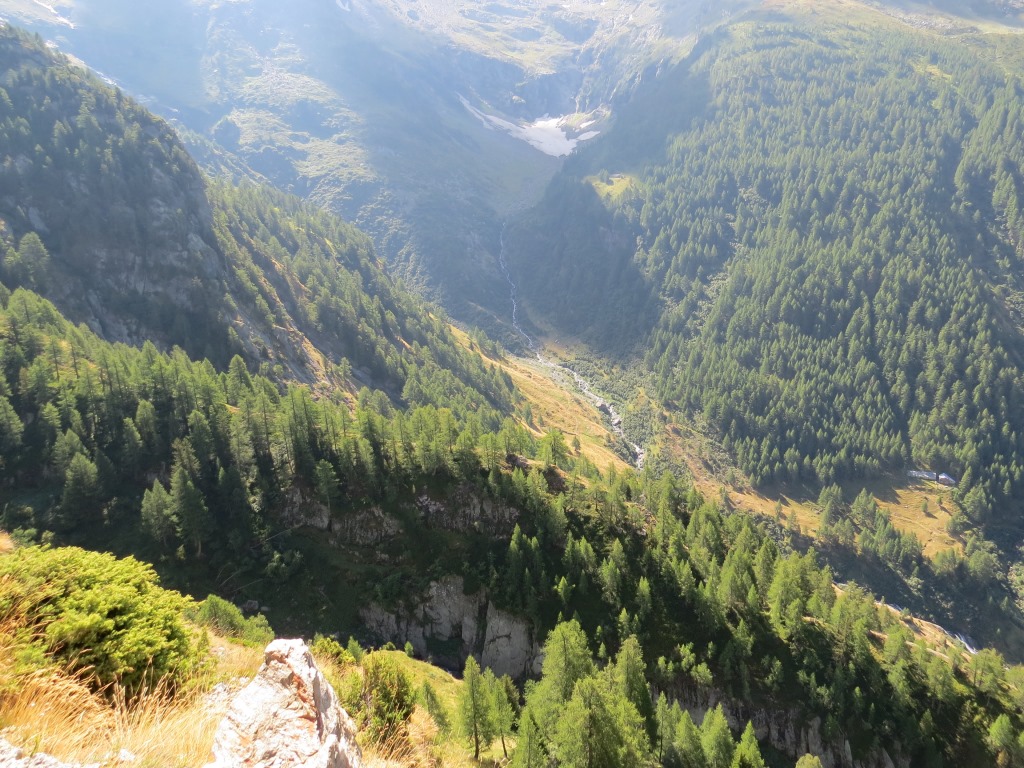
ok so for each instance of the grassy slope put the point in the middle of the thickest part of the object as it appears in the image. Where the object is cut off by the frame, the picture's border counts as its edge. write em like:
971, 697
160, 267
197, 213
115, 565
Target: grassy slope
556, 404
449, 748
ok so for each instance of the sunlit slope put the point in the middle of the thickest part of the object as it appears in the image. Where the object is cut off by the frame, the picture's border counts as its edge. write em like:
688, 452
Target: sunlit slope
818, 252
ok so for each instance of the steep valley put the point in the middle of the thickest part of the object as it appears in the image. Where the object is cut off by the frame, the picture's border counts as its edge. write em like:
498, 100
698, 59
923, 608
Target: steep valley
631, 424
387, 115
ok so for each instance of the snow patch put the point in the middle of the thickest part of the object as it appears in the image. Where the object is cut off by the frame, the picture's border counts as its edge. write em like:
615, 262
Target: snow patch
546, 134
57, 17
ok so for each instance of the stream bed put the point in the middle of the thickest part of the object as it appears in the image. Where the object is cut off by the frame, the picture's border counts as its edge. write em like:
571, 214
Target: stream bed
612, 415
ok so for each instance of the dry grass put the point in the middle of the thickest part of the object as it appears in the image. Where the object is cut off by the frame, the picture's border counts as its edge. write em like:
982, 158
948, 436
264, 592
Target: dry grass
919, 507
556, 404
923, 509
54, 713
424, 746
50, 710
416, 747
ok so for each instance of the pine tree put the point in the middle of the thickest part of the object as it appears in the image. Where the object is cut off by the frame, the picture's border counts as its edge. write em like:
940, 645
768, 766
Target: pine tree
157, 518
35, 260
1003, 741
11, 428
504, 700
81, 485
476, 708
748, 753
566, 660
326, 483
530, 752
189, 509
630, 679
591, 733
667, 719
716, 739
687, 744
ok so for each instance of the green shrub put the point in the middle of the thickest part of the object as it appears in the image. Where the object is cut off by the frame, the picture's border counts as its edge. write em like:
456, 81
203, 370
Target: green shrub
387, 697
330, 648
227, 619
104, 617
355, 649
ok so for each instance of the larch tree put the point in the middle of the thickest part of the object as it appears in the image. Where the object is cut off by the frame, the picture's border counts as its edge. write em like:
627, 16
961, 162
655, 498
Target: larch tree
476, 708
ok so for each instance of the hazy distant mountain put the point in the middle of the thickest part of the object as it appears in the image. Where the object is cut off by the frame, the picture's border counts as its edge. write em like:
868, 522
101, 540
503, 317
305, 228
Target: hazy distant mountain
143, 247
414, 121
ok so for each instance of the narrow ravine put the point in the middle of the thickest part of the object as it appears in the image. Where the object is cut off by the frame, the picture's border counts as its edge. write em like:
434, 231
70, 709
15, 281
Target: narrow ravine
608, 409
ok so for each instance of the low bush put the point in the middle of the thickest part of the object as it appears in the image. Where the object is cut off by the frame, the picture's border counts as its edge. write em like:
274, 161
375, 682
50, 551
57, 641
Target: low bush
227, 619
105, 618
381, 698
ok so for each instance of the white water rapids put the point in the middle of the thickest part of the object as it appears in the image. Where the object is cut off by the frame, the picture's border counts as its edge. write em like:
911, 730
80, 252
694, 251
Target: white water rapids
615, 420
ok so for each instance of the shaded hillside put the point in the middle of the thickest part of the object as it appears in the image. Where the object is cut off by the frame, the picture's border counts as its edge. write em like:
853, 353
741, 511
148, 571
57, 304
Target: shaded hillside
816, 239
410, 121
115, 198
138, 245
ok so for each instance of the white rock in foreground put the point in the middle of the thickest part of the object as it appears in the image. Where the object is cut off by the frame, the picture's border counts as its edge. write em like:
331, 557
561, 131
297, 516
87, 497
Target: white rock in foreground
287, 717
13, 757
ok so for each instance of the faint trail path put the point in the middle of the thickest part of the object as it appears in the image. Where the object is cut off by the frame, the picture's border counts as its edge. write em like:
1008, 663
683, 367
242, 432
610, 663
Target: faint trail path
607, 408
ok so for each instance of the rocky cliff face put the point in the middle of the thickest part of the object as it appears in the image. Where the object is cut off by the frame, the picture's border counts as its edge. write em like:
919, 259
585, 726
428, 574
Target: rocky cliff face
786, 730
467, 511
287, 716
464, 511
447, 626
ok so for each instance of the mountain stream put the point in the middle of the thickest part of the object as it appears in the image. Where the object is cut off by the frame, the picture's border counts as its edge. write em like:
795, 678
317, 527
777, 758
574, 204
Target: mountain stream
608, 409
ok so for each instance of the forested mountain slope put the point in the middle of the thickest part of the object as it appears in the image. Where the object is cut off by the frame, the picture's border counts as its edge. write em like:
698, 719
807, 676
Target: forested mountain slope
220, 478
264, 488
103, 210
810, 231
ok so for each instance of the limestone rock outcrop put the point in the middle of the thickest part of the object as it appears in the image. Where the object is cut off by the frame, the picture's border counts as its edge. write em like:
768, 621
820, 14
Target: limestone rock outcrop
447, 625
287, 717
468, 511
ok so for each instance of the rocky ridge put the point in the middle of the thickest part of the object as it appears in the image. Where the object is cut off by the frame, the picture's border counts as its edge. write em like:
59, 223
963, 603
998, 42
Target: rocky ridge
287, 716
464, 511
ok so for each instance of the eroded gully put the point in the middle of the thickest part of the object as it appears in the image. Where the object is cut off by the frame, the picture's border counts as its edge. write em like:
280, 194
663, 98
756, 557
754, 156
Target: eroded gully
607, 408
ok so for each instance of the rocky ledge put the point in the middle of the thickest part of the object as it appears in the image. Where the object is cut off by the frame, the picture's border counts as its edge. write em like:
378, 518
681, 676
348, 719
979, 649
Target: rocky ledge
287, 716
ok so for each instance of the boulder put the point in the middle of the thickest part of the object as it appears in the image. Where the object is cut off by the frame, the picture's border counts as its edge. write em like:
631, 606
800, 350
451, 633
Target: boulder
287, 717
